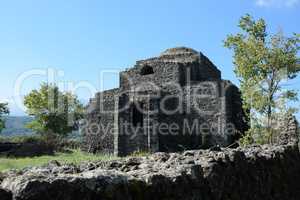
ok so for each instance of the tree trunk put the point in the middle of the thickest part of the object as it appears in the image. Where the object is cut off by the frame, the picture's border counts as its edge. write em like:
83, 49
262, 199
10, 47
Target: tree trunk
269, 123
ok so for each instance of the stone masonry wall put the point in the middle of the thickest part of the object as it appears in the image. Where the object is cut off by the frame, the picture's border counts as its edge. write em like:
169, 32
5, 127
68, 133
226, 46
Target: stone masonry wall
99, 134
207, 107
254, 173
161, 80
289, 132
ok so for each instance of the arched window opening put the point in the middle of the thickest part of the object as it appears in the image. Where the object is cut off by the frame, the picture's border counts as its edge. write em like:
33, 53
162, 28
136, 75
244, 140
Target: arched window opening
147, 70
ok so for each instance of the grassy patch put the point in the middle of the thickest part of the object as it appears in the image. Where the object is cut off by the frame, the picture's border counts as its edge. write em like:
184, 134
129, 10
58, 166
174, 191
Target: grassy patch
76, 157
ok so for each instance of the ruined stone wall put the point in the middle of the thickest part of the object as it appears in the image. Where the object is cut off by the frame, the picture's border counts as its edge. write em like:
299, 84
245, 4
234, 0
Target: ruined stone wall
288, 128
136, 137
254, 173
205, 70
27, 149
166, 73
185, 134
211, 114
203, 111
99, 134
171, 73
162, 73
234, 109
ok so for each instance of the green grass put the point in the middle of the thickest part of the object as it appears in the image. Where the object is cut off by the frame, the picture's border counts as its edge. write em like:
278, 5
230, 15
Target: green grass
76, 157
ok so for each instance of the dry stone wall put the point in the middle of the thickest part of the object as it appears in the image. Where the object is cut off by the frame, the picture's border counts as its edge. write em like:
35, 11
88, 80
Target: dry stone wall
28, 149
254, 173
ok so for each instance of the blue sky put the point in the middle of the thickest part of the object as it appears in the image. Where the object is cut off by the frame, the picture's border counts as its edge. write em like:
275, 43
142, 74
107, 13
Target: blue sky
81, 38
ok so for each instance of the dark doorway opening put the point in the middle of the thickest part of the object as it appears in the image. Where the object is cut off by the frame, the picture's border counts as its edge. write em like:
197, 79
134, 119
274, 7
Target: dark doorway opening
137, 114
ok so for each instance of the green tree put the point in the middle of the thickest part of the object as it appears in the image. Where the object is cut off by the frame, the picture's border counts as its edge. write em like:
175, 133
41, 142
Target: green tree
55, 112
3, 111
263, 64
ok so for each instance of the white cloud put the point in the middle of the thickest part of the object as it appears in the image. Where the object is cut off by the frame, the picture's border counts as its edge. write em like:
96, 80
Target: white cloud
276, 3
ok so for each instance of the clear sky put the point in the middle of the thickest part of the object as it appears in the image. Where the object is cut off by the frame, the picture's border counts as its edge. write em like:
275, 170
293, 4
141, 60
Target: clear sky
81, 38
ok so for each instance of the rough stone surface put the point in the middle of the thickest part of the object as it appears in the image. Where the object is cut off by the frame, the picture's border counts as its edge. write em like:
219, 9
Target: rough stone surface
179, 78
254, 173
288, 129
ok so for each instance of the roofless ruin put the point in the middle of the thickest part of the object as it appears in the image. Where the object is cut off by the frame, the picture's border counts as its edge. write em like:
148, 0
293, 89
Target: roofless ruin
176, 101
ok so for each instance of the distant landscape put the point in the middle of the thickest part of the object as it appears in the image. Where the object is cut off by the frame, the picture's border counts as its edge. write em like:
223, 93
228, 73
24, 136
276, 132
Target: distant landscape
15, 125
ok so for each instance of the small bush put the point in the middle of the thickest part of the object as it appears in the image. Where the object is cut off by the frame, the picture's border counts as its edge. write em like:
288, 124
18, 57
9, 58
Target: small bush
27, 139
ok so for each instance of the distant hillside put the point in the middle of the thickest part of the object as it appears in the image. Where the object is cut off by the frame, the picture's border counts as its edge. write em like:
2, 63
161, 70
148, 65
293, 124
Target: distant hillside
16, 126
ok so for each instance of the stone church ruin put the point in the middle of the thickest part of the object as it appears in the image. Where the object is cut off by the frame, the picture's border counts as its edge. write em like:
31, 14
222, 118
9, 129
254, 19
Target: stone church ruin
173, 102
